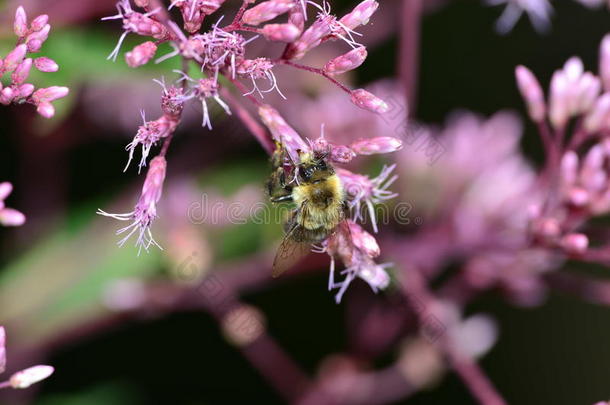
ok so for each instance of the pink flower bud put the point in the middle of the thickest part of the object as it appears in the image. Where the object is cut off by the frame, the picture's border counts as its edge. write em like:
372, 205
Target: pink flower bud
50, 93
153, 185
346, 62
311, 38
34, 45
282, 132
547, 229
20, 25
193, 13
569, 168
320, 145
145, 26
267, 10
25, 90
598, 118
14, 58
141, 54
22, 71
11, 217
46, 109
531, 92
559, 112
573, 68
7, 95
593, 176
601, 204
575, 243
297, 18
40, 22
281, 32
141, 3
380, 144
360, 15
29, 376
6, 189
594, 159
368, 101
35, 40
341, 154
579, 197
589, 87
45, 64
211, 6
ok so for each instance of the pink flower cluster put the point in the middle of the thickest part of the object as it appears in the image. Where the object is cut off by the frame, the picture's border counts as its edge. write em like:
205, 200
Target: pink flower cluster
24, 378
576, 176
220, 52
30, 39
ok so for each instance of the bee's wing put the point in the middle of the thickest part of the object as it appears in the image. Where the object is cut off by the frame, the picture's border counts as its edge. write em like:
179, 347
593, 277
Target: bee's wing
288, 254
290, 251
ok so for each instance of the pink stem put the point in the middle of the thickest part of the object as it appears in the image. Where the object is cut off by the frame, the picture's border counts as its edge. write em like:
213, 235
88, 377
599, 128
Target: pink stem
477, 382
255, 128
547, 139
240, 13
316, 71
416, 292
166, 143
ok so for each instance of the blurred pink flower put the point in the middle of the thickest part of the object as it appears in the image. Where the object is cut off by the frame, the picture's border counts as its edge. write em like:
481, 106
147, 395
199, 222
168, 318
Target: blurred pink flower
575, 176
483, 193
24, 378
539, 12
9, 216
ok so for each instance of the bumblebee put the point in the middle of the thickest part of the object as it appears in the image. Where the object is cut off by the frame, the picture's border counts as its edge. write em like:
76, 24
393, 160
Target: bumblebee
316, 191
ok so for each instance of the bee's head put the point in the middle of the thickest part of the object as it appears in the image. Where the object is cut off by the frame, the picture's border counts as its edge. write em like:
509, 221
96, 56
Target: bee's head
314, 168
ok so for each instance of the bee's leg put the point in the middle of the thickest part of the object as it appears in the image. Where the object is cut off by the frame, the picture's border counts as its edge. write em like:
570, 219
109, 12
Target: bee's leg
282, 198
331, 275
